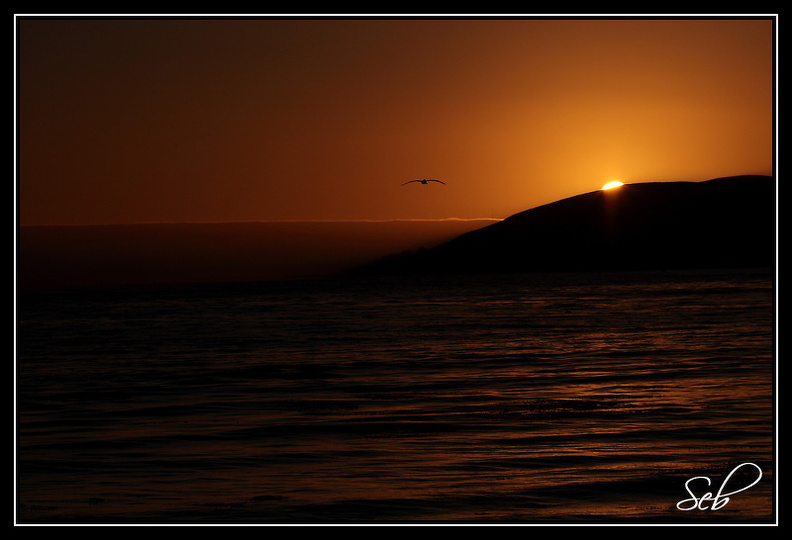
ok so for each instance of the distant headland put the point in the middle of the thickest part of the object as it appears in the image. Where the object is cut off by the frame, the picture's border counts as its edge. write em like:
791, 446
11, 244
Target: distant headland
719, 223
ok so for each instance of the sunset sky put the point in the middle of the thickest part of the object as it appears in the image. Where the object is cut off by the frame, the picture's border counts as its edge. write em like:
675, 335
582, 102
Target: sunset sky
139, 121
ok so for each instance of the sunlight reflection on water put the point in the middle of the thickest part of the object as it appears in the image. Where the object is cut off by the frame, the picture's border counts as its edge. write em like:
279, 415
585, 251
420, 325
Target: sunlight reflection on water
476, 400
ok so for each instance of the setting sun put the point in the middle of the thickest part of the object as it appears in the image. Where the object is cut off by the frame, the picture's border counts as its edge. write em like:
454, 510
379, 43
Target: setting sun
611, 185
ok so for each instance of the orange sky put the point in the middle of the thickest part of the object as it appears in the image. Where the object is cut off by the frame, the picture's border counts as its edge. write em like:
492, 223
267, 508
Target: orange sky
127, 121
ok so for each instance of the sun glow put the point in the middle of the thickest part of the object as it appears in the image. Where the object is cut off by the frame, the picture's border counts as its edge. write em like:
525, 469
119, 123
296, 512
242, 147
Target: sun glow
611, 185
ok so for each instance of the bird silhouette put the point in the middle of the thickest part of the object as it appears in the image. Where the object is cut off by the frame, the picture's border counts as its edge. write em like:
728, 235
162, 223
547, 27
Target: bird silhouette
424, 181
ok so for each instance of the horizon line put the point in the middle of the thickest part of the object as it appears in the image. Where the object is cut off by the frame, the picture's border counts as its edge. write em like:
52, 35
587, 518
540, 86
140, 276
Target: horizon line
391, 220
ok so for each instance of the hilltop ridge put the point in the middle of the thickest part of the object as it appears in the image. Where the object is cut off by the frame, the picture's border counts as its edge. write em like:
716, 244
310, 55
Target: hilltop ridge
722, 222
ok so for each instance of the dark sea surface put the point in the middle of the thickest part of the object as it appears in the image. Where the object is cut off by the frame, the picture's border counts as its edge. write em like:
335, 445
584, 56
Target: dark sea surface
569, 398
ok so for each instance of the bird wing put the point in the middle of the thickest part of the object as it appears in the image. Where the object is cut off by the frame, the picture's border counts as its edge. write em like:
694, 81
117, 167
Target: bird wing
423, 181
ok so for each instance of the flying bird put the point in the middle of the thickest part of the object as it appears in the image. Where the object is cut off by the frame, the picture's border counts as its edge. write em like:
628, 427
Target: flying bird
424, 181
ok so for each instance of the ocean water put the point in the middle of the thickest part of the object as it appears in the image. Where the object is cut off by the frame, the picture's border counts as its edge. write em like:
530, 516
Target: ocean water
570, 398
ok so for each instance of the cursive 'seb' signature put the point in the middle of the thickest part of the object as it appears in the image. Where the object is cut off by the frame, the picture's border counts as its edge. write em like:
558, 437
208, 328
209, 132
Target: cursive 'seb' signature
720, 499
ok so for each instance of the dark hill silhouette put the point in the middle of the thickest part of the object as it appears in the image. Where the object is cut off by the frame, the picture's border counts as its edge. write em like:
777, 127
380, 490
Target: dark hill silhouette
724, 222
